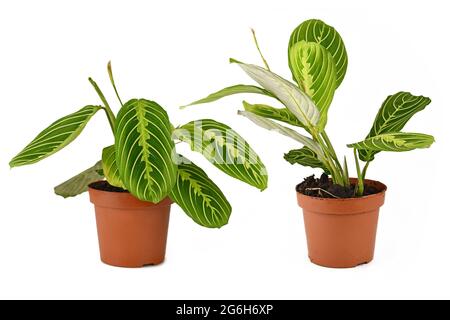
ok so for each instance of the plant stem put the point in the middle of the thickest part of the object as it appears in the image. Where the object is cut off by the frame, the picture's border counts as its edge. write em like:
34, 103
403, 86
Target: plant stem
360, 187
327, 140
107, 108
111, 78
336, 173
259, 50
364, 172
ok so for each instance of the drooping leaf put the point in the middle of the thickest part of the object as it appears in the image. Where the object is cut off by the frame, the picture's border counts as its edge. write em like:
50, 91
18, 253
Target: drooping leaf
225, 149
240, 88
79, 183
110, 169
394, 113
396, 141
305, 157
144, 150
280, 114
317, 31
199, 197
290, 95
315, 72
55, 137
272, 125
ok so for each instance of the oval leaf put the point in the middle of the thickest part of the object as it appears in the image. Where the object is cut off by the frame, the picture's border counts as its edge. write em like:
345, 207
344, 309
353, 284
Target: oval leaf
397, 142
199, 196
305, 157
282, 114
314, 70
317, 31
55, 137
110, 169
79, 183
225, 149
144, 150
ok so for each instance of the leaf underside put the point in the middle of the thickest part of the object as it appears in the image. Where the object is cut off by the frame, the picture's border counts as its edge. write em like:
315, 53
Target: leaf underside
305, 157
79, 183
110, 169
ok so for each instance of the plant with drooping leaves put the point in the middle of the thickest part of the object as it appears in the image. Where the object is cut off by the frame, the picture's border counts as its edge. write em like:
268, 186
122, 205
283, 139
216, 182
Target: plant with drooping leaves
318, 62
143, 159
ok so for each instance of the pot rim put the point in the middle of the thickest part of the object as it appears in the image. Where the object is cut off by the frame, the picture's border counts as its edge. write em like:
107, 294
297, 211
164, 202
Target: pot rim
380, 193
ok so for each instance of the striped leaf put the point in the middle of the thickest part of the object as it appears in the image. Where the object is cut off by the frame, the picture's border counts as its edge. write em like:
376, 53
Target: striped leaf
282, 114
225, 149
397, 142
200, 197
315, 72
272, 125
110, 169
305, 157
144, 150
240, 88
394, 113
325, 35
290, 95
58, 135
79, 183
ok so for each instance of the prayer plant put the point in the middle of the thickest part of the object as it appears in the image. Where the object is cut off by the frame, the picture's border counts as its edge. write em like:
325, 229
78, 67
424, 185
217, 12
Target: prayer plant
143, 159
318, 62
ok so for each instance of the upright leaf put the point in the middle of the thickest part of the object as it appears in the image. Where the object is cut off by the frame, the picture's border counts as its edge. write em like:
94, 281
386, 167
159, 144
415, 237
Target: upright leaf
394, 113
291, 96
305, 157
199, 197
281, 114
397, 142
144, 150
315, 72
317, 31
55, 137
110, 169
79, 183
240, 88
225, 149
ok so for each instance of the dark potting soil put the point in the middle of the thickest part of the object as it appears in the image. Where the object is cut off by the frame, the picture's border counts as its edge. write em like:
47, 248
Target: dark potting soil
105, 186
323, 188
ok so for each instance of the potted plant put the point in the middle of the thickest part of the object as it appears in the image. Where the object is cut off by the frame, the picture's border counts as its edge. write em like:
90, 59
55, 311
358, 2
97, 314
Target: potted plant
340, 212
144, 175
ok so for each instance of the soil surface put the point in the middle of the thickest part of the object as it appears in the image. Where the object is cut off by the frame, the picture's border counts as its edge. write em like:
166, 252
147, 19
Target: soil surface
323, 188
105, 186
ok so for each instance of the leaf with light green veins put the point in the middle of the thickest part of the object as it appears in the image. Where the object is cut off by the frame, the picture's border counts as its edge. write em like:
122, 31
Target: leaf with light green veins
305, 157
314, 70
289, 94
394, 113
79, 183
199, 197
317, 31
144, 150
240, 88
225, 149
396, 142
280, 114
55, 137
110, 169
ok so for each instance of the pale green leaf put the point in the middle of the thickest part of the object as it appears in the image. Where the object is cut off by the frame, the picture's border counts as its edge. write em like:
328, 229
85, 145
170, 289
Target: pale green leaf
110, 169
396, 141
279, 114
305, 157
79, 183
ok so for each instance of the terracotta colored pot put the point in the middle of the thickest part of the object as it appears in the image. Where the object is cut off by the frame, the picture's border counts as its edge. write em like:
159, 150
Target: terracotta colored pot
131, 233
341, 232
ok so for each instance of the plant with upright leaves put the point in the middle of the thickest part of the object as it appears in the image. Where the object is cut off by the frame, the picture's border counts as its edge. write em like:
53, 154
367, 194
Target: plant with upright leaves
318, 62
143, 159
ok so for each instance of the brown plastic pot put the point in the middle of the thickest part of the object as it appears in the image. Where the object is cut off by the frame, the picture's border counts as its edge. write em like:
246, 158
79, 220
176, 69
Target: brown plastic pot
341, 233
131, 233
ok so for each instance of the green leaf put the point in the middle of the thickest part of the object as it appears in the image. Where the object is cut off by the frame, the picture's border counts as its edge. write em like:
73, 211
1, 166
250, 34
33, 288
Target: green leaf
282, 114
290, 95
225, 149
317, 31
199, 197
144, 150
394, 113
314, 70
305, 157
110, 169
79, 183
397, 142
58, 135
240, 88
272, 125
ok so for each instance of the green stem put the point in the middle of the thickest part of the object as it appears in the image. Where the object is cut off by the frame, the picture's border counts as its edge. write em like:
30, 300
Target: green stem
360, 187
364, 172
335, 158
111, 78
259, 50
109, 113
336, 174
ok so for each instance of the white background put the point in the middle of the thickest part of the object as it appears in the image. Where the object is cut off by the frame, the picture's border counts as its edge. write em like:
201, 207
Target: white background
175, 52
